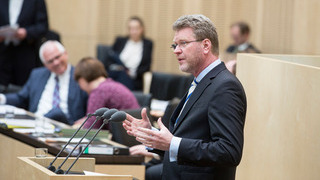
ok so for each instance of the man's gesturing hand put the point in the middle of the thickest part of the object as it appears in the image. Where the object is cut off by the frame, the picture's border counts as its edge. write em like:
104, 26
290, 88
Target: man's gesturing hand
154, 139
131, 124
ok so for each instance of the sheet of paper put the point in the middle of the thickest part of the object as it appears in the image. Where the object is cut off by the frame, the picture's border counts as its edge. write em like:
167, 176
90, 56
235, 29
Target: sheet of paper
159, 105
64, 140
89, 173
5, 108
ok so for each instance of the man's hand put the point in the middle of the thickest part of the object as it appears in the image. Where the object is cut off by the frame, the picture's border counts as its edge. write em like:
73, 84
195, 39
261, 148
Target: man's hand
21, 33
131, 123
154, 139
140, 150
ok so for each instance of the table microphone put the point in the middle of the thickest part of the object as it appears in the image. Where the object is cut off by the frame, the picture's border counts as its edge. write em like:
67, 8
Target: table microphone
98, 113
110, 115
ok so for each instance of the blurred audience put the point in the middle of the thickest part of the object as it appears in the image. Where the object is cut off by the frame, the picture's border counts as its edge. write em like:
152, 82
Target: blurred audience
240, 33
134, 52
18, 51
103, 92
51, 90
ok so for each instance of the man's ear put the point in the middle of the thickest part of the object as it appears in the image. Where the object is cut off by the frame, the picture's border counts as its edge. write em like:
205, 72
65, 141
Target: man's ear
206, 43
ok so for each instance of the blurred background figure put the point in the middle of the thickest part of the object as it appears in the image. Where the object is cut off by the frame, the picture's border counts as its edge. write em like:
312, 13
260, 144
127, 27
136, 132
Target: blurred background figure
240, 33
103, 92
18, 53
51, 91
134, 55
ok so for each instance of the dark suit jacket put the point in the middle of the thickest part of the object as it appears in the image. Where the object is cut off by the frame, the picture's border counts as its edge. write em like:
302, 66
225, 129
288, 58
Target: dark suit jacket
145, 63
234, 49
33, 17
211, 127
30, 95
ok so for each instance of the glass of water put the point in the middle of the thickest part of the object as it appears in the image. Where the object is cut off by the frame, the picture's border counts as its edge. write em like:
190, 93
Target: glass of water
9, 113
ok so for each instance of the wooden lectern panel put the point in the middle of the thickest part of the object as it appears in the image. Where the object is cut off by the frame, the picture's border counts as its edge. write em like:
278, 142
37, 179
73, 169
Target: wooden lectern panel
282, 128
34, 169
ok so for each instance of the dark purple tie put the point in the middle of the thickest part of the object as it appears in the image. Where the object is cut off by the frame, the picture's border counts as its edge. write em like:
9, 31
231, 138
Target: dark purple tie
56, 96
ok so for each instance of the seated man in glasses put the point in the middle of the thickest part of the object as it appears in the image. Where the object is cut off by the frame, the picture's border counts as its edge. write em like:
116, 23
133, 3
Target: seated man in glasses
51, 91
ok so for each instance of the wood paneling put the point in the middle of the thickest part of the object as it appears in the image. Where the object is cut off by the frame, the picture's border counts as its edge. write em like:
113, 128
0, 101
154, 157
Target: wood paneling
282, 122
278, 26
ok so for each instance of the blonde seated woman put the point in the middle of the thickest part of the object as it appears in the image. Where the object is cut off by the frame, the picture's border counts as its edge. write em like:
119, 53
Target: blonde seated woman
103, 91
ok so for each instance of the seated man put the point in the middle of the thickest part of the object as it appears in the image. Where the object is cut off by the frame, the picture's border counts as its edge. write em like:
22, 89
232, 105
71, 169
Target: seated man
51, 91
240, 32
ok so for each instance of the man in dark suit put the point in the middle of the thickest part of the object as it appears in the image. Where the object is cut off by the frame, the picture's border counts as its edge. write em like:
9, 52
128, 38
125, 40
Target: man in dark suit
51, 90
205, 135
18, 56
240, 33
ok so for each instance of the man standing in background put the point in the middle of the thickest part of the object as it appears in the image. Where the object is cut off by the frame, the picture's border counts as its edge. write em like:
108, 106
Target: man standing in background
18, 52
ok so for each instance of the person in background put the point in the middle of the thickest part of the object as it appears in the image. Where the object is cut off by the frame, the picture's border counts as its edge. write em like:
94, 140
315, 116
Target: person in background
51, 91
240, 33
135, 52
103, 91
18, 54
205, 135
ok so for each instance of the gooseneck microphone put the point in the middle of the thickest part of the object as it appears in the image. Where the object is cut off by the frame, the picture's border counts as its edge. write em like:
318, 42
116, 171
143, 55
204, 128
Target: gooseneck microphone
112, 115
99, 113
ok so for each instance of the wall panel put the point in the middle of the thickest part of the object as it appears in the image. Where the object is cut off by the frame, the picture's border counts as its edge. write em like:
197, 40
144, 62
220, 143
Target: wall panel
278, 26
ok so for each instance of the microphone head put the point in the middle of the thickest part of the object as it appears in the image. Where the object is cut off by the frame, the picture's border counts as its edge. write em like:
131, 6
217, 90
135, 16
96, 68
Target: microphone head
118, 116
100, 111
108, 114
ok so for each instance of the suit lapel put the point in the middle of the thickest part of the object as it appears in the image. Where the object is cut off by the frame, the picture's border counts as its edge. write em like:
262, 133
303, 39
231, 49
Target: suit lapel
204, 83
23, 9
5, 9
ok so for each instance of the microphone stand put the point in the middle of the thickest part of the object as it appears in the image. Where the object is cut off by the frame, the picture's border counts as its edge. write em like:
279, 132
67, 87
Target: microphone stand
51, 167
59, 170
86, 146
111, 115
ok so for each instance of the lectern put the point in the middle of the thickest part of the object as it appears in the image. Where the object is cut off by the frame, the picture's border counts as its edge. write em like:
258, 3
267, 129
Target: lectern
35, 168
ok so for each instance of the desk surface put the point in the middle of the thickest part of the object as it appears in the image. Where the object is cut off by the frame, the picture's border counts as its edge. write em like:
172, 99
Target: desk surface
54, 150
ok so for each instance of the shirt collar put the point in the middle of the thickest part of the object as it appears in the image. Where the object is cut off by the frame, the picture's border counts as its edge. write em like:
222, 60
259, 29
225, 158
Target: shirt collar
243, 46
207, 70
64, 74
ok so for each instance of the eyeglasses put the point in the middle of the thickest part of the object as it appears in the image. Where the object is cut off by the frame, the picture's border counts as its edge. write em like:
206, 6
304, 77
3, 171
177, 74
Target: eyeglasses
182, 44
53, 59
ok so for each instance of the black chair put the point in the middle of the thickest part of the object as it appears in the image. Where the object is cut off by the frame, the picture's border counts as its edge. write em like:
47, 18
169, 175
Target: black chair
120, 135
144, 100
168, 86
105, 54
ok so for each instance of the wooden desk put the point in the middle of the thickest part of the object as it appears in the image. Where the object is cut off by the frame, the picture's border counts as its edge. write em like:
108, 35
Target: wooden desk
15, 144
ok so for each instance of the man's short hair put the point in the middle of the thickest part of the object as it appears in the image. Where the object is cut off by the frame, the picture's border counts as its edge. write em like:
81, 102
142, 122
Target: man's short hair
202, 27
45, 44
89, 69
244, 27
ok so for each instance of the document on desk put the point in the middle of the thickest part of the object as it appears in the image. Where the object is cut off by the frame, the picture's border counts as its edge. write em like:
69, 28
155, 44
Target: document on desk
89, 173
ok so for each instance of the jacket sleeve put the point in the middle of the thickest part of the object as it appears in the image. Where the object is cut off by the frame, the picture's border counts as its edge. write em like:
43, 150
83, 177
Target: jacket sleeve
40, 25
226, 116
21, 99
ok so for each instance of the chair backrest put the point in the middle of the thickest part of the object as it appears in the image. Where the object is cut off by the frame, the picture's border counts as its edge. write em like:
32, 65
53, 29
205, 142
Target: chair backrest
120, 135
144, 100
104, 54
169, 111
168, 86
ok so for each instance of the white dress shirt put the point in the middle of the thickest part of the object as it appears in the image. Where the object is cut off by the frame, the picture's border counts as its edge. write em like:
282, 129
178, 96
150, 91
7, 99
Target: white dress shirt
45, 102
131, 56
15, 7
